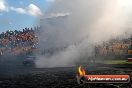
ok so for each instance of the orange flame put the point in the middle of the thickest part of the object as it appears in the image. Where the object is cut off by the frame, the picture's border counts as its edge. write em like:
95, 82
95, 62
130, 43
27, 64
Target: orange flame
81, 71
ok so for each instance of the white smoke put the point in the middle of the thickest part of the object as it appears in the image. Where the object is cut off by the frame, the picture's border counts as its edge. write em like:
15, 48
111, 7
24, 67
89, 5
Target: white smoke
92, 21
58, 15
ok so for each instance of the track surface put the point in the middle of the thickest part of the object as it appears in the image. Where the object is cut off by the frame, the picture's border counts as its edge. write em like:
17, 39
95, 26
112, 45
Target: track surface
64, 77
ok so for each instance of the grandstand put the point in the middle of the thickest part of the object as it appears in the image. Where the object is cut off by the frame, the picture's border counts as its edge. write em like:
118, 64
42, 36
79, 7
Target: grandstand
26, 41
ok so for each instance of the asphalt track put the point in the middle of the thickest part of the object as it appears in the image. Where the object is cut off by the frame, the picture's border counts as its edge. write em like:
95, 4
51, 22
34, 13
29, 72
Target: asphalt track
18, 76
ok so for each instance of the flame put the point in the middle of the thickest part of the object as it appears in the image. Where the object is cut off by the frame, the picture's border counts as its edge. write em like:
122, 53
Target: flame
81, 71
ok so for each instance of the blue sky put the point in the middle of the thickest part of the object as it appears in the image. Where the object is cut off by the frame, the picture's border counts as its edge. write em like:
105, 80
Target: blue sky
18, 14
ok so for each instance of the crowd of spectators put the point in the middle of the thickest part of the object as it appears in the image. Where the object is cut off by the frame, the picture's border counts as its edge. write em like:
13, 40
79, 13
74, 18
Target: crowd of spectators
16, 42
19, 42
113, 47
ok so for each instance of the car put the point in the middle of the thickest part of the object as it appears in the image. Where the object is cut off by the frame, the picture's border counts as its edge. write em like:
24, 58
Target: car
29, 61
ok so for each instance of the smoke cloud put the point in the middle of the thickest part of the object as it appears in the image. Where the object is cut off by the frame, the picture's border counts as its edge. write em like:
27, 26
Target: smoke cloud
71, 28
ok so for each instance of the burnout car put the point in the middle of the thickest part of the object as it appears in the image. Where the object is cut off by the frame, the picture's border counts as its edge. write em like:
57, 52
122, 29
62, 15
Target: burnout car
29, 61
